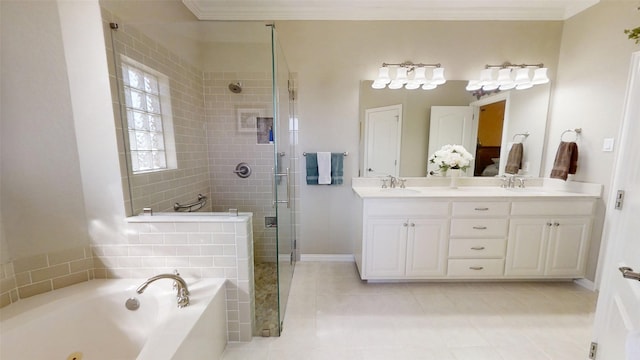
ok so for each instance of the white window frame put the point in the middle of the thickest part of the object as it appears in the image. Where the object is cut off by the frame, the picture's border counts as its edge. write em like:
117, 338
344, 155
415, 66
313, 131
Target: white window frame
164, 113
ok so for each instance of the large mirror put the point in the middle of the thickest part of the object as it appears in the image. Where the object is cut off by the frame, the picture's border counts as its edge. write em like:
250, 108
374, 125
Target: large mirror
427, 119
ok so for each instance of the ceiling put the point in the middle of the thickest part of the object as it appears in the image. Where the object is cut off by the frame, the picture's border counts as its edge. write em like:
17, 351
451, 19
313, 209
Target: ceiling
387, 9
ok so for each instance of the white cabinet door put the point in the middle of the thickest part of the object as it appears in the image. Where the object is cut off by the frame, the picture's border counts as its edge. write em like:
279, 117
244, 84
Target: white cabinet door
527, 247
568, 246
386, 247
427, 247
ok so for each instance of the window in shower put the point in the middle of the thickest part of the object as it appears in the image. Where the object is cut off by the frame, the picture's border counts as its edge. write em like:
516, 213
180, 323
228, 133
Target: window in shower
150, 126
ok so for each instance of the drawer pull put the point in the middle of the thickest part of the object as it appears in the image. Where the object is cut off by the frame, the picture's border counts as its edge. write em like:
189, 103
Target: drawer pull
476, 267
481, 209
480, 227
477, 248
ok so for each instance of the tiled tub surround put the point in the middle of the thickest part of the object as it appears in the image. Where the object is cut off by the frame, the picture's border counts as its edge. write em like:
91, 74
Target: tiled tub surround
89, 318
26, 277
198, 245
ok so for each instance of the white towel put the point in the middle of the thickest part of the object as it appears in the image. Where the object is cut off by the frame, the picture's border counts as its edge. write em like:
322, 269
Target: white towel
324, 168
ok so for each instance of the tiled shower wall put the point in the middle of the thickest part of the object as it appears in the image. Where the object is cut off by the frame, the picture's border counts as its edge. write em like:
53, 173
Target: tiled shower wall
202, 101
228, 147
160, 190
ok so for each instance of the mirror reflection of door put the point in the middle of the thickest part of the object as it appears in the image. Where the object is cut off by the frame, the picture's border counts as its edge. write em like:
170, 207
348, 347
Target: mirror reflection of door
449, 125
490, 125
383, 136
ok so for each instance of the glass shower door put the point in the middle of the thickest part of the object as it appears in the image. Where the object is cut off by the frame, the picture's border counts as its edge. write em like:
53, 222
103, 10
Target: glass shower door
284, 174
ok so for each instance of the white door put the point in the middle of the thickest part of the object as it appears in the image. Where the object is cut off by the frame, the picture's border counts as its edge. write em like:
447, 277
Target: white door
383, 134
450, 125
617, 319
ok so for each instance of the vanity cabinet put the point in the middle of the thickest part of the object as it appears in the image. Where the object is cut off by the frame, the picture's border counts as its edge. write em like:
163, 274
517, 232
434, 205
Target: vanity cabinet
460, 238
546, 239
399, 246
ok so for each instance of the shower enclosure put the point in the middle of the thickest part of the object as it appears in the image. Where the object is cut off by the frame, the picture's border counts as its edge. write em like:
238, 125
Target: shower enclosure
206, 116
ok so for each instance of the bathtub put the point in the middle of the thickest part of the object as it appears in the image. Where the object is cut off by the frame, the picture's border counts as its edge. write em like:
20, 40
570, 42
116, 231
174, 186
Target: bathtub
90, 321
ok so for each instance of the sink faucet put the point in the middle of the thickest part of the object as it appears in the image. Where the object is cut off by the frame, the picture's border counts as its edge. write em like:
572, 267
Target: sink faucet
509, 181
180, 284
392, 181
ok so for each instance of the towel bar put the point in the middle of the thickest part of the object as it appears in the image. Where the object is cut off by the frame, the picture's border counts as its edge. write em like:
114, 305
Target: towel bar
577, 131
525, 135
346, 153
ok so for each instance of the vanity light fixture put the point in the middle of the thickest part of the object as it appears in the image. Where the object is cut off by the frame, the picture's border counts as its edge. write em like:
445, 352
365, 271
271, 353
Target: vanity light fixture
410, 76
509, 76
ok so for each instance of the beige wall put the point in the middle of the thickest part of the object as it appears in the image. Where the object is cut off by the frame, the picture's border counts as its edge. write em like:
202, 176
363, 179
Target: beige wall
42, 196
332, 57
589, 93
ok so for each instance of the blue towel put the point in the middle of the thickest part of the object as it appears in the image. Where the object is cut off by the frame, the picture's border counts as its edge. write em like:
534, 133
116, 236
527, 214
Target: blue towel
312, 168
337, 161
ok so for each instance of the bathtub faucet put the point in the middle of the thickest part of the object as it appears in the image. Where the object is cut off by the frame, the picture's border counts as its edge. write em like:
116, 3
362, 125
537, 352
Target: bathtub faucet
180, 284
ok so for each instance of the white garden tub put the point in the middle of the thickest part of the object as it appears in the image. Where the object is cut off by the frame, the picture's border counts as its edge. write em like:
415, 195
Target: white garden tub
90, 321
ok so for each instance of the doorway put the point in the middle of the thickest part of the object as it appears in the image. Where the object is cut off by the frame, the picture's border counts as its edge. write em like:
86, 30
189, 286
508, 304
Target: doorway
490, 126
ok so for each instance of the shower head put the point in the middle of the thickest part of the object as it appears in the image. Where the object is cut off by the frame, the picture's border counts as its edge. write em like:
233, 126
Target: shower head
235, 88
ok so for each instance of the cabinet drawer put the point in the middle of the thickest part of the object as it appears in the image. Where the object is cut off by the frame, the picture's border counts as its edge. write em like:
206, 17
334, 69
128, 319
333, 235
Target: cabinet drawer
479, 228
475, 267
484, 208
477, 248
405, 207
559, 208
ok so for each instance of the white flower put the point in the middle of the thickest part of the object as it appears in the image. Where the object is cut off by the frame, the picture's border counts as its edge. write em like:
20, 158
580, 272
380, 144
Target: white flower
451, 157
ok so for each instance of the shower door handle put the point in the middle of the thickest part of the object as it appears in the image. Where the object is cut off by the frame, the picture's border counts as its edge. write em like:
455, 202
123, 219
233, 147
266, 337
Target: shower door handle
275, 189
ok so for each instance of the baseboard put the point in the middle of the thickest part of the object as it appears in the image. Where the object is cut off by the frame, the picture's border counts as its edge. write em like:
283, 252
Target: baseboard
586, 283
327, 257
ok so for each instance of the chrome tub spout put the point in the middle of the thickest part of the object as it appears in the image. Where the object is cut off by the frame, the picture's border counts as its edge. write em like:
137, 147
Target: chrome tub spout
179, 284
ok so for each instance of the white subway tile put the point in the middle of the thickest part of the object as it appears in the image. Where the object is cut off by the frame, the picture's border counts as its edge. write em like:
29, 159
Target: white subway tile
177, 238
149, 238
164, 250
201, 261
188, 250
224, 261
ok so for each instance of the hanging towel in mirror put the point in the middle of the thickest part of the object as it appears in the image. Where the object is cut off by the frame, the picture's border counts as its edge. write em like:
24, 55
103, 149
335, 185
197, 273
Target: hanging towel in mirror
324, 168
566, 160
312, 168
514, 161
337, 161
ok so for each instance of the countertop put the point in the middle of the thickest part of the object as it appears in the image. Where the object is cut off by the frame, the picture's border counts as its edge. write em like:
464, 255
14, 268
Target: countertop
476, 188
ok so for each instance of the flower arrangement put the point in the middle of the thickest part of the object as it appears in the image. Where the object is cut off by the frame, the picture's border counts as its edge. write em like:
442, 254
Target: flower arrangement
451, 157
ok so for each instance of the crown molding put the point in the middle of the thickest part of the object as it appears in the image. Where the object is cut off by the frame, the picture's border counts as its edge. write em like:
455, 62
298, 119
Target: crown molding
387, 10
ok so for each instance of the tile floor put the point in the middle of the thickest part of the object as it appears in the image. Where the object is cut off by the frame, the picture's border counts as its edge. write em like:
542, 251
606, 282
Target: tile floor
334, 315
